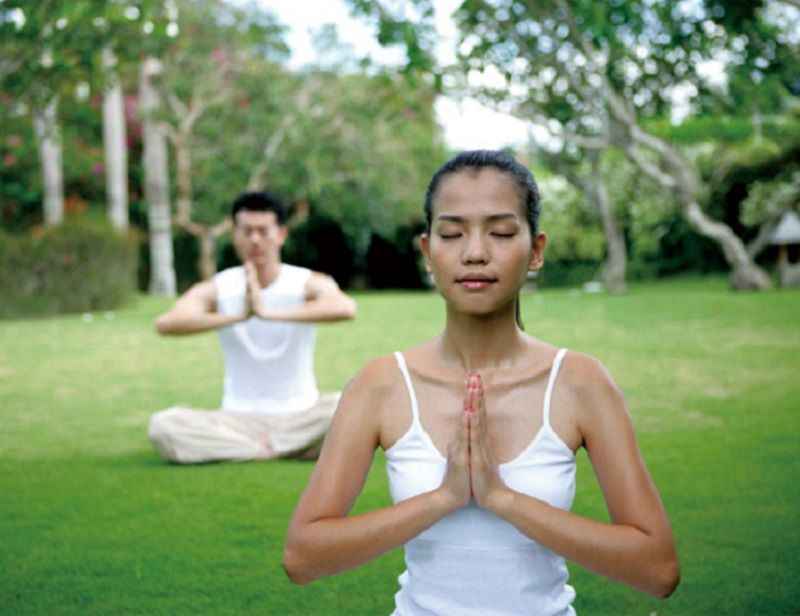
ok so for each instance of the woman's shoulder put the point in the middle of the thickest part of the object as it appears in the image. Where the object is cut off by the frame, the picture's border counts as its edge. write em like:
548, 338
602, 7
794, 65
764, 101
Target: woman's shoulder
378, 378
381, 378
587, 393
587, 382
379, 370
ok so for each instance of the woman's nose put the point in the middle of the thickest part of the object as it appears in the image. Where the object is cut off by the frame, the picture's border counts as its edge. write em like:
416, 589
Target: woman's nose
474, 250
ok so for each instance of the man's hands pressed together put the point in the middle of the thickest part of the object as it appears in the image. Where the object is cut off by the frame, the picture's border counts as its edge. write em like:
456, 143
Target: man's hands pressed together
253, 304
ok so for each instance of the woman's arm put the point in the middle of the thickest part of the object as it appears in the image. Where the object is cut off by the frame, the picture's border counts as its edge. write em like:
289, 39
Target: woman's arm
322, 539
637, 547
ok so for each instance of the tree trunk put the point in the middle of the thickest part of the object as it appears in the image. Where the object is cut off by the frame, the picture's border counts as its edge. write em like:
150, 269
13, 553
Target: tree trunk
675, 175
183, 178
745, 274
594, 190
615, 267
50, 153
155, 161
761, 240
115, 145
205, 235
207, 262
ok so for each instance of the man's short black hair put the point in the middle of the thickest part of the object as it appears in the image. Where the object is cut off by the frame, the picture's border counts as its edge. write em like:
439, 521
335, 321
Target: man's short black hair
260, 201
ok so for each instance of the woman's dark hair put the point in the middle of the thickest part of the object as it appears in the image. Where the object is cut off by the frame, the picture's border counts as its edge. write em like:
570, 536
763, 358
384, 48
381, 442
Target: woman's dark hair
495, 159
477, 160
262, 201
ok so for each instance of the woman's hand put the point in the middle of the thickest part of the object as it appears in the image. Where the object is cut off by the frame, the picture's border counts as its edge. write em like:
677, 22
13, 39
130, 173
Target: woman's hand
456, 484
485, 482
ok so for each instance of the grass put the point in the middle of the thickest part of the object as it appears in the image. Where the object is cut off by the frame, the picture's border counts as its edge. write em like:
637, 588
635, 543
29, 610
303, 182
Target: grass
92, 522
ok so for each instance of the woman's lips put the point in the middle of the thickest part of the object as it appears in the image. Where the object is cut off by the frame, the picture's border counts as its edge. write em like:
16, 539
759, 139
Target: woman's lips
475, 285
475, 282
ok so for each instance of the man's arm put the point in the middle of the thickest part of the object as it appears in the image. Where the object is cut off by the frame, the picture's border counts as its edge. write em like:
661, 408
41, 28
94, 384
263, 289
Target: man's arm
196, 311
325, 301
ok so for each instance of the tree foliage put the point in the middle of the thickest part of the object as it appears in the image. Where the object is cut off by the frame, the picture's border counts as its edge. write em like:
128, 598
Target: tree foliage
50, 47
355, 144
595, 74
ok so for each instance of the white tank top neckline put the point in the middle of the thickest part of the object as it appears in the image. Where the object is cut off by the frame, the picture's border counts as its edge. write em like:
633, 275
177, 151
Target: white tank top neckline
416, 423
471, 562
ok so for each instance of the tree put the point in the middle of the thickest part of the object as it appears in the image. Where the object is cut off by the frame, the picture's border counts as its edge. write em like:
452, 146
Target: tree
356, 147
51, 48
122, 31
595, 74
34, 72
203, 70
48, 133
757, 181
591, 183
156, 174
115, 143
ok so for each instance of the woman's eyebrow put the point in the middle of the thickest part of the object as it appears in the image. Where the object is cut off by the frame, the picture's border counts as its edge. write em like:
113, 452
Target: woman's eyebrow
504, 216
449, 218
490, 218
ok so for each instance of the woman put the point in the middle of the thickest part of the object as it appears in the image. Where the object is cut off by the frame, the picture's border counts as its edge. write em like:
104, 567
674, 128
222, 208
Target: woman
480, 427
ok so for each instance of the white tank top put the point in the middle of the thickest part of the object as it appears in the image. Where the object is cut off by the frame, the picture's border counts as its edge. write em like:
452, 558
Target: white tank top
473, 562
269, 365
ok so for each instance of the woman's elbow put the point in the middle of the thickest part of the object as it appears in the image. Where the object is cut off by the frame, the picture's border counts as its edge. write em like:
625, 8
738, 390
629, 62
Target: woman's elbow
295, 567
666, 579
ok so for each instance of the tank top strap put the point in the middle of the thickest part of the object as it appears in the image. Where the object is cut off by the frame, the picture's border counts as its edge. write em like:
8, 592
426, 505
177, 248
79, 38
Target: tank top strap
401, 363
548, 393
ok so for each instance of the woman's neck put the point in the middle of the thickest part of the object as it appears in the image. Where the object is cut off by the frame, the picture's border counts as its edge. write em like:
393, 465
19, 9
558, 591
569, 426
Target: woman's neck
481, 343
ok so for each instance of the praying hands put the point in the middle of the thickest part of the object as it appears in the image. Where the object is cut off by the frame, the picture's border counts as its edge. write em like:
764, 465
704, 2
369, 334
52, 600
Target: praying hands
472, 470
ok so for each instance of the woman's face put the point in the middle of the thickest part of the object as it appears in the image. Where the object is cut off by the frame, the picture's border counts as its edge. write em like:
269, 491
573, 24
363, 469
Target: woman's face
480, 248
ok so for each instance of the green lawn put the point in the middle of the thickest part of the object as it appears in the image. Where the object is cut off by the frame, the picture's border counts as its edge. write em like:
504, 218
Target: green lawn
92, 522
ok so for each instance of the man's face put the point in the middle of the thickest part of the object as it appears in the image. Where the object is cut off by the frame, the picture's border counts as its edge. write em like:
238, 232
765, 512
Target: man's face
258, 237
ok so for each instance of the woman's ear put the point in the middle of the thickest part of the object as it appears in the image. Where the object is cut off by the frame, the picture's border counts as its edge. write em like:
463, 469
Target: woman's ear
424, 245
537, 252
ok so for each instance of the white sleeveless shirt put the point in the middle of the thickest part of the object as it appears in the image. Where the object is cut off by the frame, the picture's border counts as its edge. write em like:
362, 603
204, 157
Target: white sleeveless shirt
473, 562
269, 365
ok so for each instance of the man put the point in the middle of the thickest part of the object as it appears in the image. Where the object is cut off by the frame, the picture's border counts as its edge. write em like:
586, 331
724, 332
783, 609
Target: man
265, 311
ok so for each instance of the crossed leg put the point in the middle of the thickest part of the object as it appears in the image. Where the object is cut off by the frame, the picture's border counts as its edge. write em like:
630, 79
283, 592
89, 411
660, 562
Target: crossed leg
190, 436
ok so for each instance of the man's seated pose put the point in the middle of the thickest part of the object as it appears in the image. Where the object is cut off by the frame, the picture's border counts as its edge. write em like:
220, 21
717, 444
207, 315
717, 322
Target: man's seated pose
265, 312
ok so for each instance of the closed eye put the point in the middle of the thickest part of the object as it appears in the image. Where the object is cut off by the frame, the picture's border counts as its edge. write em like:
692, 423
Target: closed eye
449, 236
502, 235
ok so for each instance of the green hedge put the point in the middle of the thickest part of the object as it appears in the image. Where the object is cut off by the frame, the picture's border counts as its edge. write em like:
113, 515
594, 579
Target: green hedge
74, 267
